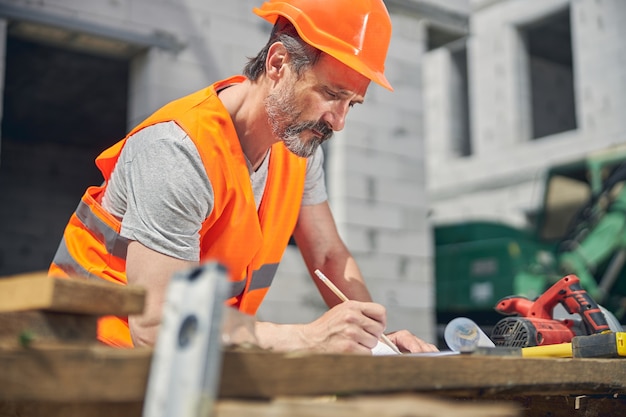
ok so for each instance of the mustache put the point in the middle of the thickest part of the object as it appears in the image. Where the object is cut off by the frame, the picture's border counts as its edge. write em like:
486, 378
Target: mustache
319, 126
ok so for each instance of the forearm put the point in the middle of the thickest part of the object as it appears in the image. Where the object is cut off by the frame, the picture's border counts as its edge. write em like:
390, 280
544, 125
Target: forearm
144, 332
152, 271
342, 270
322, 248
281, 337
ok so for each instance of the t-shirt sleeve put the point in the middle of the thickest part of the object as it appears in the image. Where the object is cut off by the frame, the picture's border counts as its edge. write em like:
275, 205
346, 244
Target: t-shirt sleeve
160, 190
315, 183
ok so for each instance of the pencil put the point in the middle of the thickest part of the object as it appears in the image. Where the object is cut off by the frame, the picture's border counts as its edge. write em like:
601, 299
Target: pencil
343, 297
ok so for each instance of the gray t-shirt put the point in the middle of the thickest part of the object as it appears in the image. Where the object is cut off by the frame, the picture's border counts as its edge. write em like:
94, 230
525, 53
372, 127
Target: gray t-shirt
162, 194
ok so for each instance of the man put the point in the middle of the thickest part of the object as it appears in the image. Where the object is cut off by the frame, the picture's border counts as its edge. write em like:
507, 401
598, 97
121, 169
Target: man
230, 172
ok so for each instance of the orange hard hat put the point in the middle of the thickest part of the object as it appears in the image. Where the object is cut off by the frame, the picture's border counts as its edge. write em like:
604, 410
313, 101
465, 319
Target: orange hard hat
355, 32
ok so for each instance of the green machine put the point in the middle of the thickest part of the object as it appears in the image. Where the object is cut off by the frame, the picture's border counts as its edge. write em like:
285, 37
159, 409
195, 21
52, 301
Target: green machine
579, 229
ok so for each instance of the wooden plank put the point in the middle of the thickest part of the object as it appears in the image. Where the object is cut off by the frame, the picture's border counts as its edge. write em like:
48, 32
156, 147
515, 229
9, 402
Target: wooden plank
33, 328
260, 374
413, 405
373, 406
362, 406
99, 373
38, 291
366, 406
73, 409
74, 374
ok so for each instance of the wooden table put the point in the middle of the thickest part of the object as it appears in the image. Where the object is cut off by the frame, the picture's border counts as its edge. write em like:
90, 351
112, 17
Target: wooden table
95, 380
51, 365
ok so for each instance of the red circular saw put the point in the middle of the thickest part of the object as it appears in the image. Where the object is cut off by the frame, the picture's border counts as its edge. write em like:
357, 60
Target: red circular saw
533, 324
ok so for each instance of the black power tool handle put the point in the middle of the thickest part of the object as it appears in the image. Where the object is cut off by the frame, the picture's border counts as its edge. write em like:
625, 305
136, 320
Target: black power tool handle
577, 300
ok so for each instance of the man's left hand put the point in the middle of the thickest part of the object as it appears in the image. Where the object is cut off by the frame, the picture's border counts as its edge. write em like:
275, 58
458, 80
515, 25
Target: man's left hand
409, 343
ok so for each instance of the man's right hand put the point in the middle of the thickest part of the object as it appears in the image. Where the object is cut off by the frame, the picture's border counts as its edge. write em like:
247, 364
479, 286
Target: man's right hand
349, 327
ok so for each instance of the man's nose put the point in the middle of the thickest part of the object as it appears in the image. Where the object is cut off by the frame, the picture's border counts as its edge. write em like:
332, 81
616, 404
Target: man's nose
336, 116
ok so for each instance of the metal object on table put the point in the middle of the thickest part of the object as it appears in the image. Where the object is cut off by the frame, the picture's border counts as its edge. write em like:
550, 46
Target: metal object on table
186, 365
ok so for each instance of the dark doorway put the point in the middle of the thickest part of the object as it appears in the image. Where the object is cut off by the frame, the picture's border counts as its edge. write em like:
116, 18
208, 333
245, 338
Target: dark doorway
551, 72
456, 43
61, 108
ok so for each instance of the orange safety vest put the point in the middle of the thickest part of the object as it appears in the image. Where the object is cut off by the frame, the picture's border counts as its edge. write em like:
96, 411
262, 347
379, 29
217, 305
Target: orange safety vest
248, 243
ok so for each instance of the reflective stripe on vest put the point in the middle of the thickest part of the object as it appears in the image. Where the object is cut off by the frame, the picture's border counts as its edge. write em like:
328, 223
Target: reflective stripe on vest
263, 277
117, 245
64, 260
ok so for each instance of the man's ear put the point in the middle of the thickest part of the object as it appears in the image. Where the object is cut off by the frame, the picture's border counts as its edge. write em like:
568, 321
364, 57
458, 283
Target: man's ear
276, 60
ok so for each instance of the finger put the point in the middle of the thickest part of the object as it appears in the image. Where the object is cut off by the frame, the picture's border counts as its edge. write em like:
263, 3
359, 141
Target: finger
370, 317
367, 340
374, 311
408, 342
364, 314
347, 345
360, 327
348, 328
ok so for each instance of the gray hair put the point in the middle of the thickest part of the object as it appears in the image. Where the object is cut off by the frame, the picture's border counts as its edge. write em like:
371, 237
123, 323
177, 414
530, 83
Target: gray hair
302, 54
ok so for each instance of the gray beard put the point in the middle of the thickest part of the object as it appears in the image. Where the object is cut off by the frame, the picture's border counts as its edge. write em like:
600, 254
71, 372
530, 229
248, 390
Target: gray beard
281, 113
297, 146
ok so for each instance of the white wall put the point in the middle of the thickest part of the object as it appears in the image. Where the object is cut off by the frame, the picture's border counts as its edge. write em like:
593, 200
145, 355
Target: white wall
502, 179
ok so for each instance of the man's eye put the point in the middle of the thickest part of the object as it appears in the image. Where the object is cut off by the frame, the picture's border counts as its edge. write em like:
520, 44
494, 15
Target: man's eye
331, 94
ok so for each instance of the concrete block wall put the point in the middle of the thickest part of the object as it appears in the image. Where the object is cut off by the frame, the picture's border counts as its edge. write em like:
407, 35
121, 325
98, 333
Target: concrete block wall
501, 180
600, 60
375, 166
